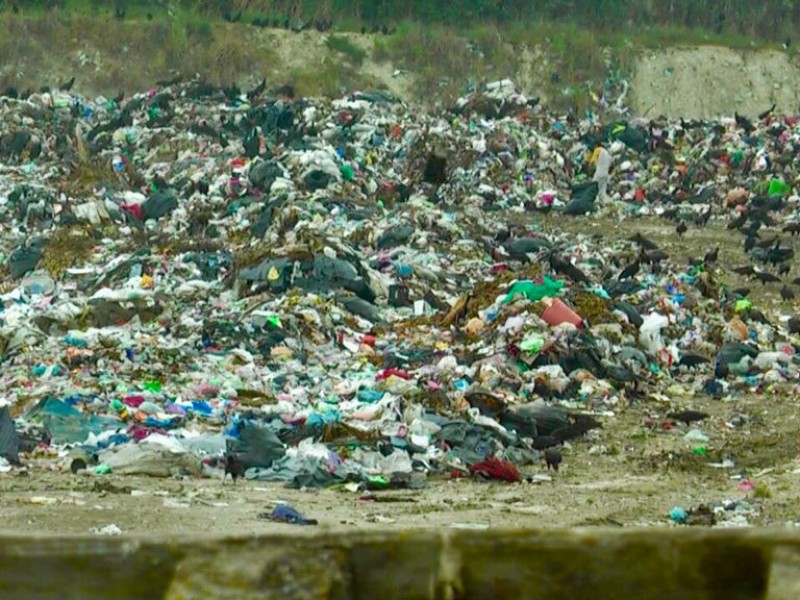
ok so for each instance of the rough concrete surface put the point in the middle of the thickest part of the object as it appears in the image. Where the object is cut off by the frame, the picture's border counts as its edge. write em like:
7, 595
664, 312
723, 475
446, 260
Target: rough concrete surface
424, 565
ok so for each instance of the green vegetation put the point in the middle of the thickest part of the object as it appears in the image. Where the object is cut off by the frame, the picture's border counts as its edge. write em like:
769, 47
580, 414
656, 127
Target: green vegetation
762, 491
351, 51
566, 49
659, 22
331, 78
768, 19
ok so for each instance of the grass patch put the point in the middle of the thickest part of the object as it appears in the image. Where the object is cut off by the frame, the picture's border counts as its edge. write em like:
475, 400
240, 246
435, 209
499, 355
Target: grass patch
67, 247
106, 55
331, 78
344, 46
200, 30
443, 62
762, 491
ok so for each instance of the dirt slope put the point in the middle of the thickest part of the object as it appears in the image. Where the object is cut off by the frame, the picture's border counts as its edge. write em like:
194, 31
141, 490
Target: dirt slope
107, 56
712, 81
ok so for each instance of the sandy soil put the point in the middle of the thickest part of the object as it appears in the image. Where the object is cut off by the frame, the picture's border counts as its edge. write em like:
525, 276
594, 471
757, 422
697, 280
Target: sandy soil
711, 81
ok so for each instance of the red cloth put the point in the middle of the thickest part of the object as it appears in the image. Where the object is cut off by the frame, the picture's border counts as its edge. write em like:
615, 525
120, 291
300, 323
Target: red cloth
495, 468
133, 209
386, 373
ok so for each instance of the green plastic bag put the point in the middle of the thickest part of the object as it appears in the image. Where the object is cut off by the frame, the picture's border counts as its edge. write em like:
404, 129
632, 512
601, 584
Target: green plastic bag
534, 292
778, 188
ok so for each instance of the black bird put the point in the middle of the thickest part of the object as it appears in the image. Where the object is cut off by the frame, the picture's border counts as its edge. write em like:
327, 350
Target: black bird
232, 93
743, 123
738, 222
740, 292
796, 281
670, 214
765, 243
688, 416
778, 253
568, 432
711, 256
234, 466
566, 268
753, 314
766, 277
581, 425
787, 294
586, 421
786, 43
702, 219
755, 225
793, 325
692, 360
629, 311
767, 112
543, 442
67, 86
643, 242
793, 228
619, 375
258, 90
750, 242
630, 271
553, 458
287, 91
654, 257
681, 228
784, 268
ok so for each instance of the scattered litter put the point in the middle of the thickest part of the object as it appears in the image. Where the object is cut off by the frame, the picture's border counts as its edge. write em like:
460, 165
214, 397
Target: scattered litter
283, 513
111, 529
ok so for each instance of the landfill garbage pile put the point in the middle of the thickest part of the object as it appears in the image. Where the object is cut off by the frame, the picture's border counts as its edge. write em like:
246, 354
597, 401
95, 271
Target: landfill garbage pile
200, 280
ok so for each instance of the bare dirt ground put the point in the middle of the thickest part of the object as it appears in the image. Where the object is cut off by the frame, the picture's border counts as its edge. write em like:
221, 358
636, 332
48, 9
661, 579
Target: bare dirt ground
630, 473
710, 81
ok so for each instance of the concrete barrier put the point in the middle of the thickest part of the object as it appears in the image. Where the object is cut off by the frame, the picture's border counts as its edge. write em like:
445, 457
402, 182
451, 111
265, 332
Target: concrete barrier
684, 564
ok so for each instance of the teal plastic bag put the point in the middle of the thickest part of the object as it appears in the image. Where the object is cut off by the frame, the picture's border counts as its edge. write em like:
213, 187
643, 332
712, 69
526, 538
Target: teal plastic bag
534, 292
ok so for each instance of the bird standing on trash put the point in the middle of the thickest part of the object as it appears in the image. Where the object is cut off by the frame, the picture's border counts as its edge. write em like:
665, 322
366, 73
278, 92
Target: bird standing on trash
711, 256
552, 458
234, 466
687, 416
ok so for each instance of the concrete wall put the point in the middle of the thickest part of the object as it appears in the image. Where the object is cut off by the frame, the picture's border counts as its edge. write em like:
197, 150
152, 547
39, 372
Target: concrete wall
686, 564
